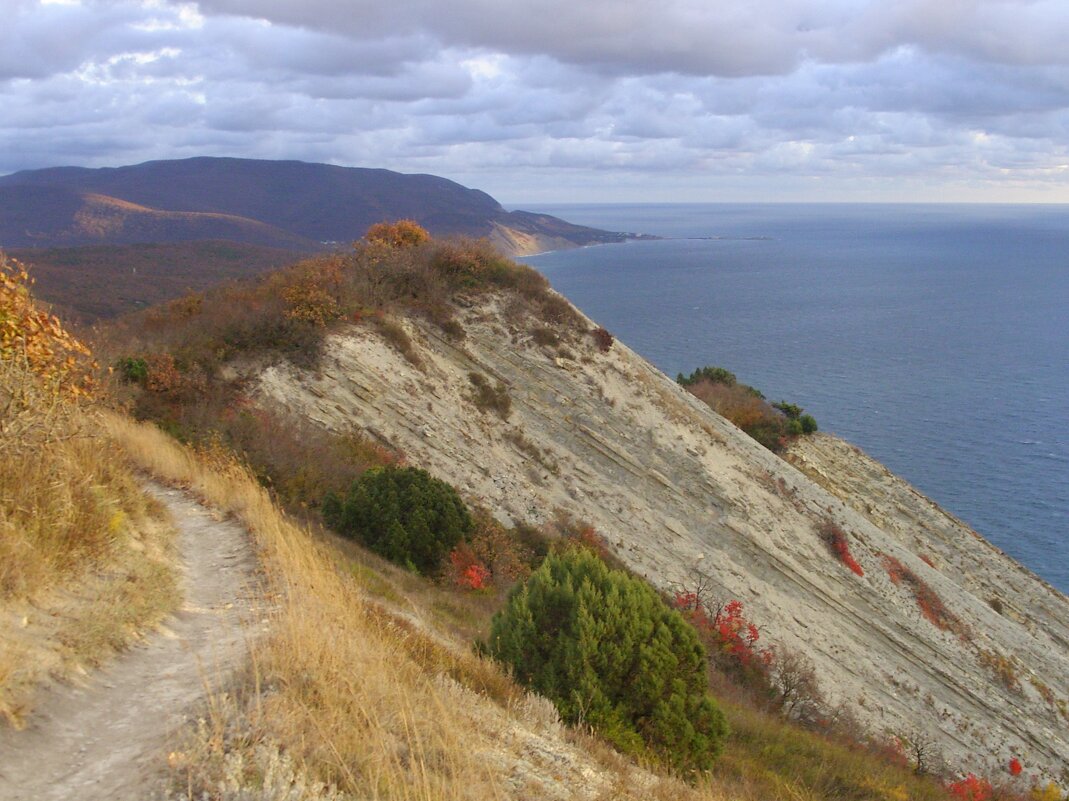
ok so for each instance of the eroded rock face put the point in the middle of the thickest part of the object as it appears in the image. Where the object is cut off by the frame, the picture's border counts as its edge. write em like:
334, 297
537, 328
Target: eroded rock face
676, 489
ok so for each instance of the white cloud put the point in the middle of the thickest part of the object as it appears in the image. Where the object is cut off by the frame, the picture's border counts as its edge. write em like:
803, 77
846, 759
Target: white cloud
690, 94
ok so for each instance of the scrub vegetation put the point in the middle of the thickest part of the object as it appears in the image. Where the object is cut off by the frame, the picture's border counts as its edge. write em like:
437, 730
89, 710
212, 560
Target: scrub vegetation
774, 425
418, 648
84, 554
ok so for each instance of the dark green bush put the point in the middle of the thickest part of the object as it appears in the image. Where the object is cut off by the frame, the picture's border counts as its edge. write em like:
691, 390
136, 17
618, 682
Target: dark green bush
798, 422
716, 375
403, 514
610, 653
792, 410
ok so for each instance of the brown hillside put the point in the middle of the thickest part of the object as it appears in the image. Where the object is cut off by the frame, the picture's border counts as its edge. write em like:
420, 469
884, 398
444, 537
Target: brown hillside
51, 216
95, 282
316, 202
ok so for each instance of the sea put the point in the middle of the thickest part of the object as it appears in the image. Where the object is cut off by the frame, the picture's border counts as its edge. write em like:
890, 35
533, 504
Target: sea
934, 337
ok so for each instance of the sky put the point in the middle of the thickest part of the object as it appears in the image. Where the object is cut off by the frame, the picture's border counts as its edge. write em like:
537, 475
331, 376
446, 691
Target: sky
542, 101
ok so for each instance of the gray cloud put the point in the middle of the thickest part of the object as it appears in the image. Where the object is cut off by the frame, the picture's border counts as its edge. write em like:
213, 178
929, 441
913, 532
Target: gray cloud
727, 38
570, 97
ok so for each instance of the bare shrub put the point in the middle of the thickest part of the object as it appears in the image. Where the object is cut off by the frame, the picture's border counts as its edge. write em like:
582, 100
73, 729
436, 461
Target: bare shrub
396, 336
602, 338
924, 752
794, 680
489, 397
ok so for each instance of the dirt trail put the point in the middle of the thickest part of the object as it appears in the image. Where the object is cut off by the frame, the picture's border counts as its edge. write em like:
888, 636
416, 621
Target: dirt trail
106, 740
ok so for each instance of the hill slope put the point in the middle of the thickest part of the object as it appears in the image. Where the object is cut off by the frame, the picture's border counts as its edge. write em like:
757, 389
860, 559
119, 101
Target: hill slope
94, 282
53, 216
680, 492
316, 203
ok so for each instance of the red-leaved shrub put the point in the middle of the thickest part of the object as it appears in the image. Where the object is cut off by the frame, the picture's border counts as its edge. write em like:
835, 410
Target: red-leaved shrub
838, 543
971, 788
730, 638
928, 601
467, 570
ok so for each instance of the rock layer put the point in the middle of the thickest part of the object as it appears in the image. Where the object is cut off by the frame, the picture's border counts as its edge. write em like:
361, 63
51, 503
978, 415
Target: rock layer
679, 491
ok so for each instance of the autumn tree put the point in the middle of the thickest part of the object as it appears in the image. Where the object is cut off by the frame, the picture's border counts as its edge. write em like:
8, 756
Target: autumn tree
397, 234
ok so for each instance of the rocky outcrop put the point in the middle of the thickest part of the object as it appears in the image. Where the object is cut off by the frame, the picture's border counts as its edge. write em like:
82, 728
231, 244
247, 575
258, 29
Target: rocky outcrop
678, 491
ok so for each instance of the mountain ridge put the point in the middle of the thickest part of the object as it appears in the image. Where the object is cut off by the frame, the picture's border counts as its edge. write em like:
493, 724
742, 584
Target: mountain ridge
319, 205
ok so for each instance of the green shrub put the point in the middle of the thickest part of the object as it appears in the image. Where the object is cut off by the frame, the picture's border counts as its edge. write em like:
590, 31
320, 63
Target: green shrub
792, 410
132, 370
403, 514
798, 422
610, 653
715, 375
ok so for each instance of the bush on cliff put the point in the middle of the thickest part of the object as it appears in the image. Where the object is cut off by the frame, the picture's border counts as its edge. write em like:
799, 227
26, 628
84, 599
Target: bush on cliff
403, 514
610, 653
771, 424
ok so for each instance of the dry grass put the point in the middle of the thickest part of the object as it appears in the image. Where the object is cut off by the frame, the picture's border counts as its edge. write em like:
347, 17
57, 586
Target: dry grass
85, 559
396, 336
489, 397
349, 694
350, 697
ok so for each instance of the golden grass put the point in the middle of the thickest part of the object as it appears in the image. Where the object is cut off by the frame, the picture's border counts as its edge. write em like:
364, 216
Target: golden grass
85, 559
768, 759
348, 693
361, 698
380, 699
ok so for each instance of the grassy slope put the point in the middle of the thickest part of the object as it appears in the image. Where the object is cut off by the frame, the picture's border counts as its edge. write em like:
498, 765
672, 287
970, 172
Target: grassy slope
369, 686
368, 683
85, 557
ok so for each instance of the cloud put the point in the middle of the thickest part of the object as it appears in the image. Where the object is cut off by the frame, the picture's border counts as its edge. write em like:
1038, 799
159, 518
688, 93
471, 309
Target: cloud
697, 37
685, 93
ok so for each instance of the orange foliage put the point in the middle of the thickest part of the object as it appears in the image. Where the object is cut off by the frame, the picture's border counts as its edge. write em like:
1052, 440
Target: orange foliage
163, 375
466, 570
310, 303
38, 338
312, 297
508, 559
398, 234
744, 407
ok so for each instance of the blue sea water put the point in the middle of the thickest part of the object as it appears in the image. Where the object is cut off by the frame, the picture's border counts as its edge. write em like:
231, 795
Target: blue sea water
935, 337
